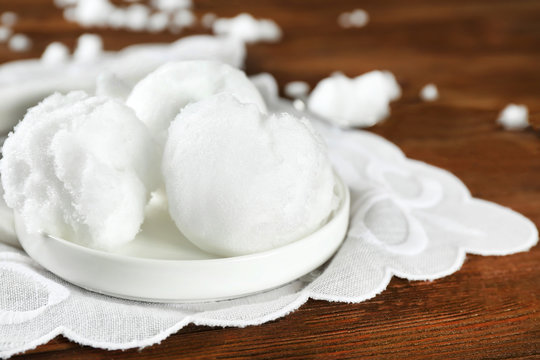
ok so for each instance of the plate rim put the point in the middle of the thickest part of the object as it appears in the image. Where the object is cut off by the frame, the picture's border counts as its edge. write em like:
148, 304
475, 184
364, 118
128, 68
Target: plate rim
337, 224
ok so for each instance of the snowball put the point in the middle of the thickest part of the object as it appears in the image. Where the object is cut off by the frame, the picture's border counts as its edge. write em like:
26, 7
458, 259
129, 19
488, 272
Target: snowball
158, 22
239, 181
248, 29
297, 89
207, 20
429, 93
55, 53
8, 18
355, 18
20, 42
160, 96
89, 48
137, 17
109, 85
361, 101
80, 168
514, 117
5, 33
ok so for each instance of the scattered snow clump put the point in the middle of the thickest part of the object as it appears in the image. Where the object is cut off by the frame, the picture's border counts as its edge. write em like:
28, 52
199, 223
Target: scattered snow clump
355, 18
55, 53
348, 102
296, 89
8, 18
248, 29
89, 48
19, 43
5, 33
514, 117
429, 93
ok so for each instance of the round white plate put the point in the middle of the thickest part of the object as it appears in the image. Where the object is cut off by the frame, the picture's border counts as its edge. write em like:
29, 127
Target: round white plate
161, 265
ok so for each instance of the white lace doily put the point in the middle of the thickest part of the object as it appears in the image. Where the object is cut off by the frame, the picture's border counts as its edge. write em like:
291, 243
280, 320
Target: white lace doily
408, 219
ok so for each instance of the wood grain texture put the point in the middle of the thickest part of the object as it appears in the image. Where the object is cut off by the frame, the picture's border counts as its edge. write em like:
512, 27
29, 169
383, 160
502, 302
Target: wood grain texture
482, 54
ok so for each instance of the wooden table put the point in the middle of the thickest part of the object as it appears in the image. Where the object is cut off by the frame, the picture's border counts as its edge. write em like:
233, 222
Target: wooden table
482, 54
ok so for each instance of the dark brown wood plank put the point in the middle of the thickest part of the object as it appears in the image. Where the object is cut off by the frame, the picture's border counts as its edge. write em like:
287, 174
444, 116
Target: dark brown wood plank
482, 54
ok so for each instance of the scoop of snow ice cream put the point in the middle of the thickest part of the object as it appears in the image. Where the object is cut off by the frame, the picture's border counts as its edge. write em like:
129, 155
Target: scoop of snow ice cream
362, 101
160, 96
240, 181
81, 168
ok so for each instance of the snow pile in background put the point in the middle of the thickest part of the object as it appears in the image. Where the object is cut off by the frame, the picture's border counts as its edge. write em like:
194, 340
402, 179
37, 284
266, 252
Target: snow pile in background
160, 15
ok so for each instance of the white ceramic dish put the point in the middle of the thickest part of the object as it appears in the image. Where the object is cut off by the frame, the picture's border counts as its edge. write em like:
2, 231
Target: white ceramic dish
161, 265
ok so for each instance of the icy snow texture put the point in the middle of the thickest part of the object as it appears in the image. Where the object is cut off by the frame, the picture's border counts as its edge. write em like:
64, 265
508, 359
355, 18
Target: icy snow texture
514, 117
55, 53
80, 168
429, 93
248, 29
240, 181
20, 42
160, 96
362, 101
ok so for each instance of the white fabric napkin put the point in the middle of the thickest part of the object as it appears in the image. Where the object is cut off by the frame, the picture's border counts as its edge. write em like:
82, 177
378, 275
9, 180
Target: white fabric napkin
408, 219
